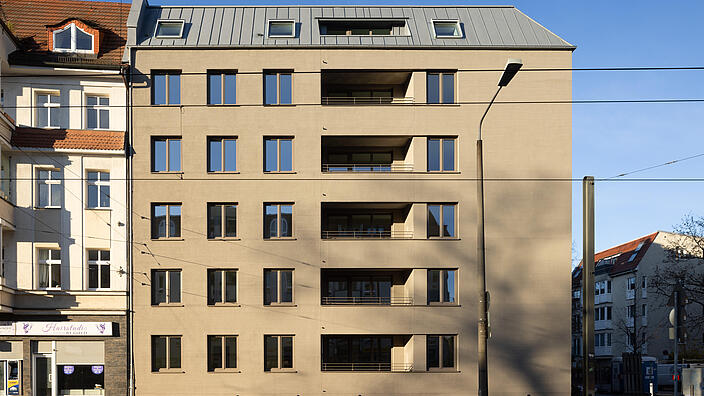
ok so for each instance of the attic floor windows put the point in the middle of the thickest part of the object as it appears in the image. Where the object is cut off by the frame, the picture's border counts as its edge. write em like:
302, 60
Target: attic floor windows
169, 29
447, 29
363, 28
282, 29
72, 38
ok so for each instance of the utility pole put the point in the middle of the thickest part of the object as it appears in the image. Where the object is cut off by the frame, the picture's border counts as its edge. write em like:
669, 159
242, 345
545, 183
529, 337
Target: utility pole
588, 284
676, 371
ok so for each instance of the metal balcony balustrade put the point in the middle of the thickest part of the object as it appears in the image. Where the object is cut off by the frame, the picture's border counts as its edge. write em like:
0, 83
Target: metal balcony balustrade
376, 168
367, 234
366, 100
367, 301
370, 367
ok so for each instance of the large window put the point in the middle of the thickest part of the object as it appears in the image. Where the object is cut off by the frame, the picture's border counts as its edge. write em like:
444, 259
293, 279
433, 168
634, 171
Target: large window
166, 154
80, 379
222, 286
278, 352
98, 189
48, 110
49, 188
166, 221
278, 220
222, 87
166, 87
72, 39
277, 88
222, 352
441, 352
166, 353
278, 286
278, 154
441, 154
441, 220
222, 220
222, 154
441, 286
97, 112
358, 353
441, 87
49, 261
98, 269
166, 287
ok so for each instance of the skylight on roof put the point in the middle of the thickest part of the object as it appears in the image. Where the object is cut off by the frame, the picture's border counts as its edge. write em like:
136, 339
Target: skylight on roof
282, 28
447, 29
166, 28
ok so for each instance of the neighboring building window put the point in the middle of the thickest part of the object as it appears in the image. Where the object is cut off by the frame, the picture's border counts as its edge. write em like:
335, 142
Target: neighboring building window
48, 110
631, 283
222, 154
608, 313
166, 287
72, 39
278, 352
166, 221
441, 221
278, 286
608, 286
277, 88
441, 87
644, 310
166, 87
447, 29
441, 286
631, 311
441, 352
644, 283
278, 220
97, 112
222, 87
49, 190
222, 352
49, 268
166, 154
98, 189
441, 154
166, 353
169, 29
282, 29
278, 154
222, 220
98, 269
608, 339
222, 286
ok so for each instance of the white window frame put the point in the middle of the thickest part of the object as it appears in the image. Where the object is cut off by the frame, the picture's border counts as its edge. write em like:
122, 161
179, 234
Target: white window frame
293, 28
455, 21
49, 182
50, 263
97, 108
98, 183
47, 107
100, 263
159, 21
73, 28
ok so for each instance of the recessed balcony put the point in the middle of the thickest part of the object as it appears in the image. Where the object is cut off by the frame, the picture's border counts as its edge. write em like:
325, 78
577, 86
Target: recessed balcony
365, 287
370, 353
366, 221
367, 154
351, 87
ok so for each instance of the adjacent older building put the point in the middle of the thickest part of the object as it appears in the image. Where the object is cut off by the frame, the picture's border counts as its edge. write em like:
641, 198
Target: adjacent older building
304, 200
63, 207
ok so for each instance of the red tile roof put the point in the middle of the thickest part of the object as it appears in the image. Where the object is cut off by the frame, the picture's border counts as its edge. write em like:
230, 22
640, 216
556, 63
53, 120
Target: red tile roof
68, 139
623, 262
28, 20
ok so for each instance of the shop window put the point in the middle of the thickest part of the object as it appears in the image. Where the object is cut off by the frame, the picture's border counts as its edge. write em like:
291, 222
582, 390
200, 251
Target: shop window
83, 379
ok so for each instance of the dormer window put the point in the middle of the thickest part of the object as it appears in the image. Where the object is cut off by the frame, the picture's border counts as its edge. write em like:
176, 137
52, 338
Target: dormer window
169, 29
282, 28
74, 37
447, 29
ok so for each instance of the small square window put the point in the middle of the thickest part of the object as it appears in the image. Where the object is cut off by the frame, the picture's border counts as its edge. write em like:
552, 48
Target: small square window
447, 29
169, 29
282, 28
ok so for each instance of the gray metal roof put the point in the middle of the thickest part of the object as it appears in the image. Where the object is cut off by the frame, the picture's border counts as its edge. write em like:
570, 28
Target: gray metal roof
245, 26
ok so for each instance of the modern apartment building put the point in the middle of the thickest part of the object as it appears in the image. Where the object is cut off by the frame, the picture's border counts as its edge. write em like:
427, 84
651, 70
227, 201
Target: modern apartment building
304, 198
631, 313
63, 290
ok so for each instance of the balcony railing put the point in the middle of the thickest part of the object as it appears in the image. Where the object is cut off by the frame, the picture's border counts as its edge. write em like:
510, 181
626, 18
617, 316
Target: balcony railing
368, 168
349, 100
367, 301
393, 367
367, 234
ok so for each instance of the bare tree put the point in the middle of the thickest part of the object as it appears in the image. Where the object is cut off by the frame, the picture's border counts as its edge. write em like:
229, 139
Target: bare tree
636, 334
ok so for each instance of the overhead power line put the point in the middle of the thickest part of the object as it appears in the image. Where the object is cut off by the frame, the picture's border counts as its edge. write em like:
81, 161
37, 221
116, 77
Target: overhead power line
655, 166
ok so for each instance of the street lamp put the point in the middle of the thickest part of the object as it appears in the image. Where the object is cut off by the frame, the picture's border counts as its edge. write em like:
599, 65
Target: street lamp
512, 67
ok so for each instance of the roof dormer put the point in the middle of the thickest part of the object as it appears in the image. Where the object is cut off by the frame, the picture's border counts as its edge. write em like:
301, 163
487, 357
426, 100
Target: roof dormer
73, 36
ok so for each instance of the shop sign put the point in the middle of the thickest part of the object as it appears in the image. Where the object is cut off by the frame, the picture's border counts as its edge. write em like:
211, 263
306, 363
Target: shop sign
13, 387
97, 370
63, 328
7, 328
68, 370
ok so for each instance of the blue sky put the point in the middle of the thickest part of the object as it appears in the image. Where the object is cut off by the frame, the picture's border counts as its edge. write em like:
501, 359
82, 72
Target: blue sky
609, 139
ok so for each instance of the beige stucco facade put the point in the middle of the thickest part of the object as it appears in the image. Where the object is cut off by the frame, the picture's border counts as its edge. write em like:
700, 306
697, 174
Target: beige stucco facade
528, 222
